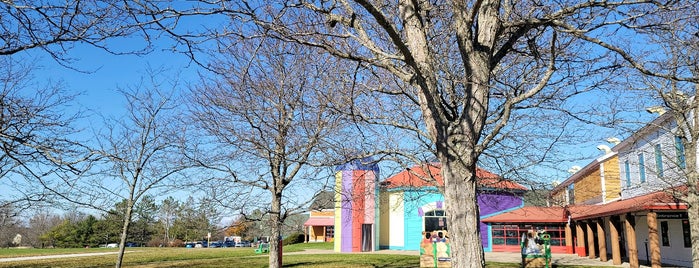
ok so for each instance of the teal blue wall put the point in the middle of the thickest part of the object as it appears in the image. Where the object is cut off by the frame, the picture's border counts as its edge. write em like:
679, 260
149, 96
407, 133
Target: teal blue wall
490, 203
413, 221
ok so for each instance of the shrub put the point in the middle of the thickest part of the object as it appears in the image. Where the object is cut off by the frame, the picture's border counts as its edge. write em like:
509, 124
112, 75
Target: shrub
157, 242
177, 243
293, 239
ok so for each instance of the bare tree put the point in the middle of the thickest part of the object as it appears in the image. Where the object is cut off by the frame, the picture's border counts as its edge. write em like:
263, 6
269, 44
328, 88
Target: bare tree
269, 116
139, 153
57, 26
38, 136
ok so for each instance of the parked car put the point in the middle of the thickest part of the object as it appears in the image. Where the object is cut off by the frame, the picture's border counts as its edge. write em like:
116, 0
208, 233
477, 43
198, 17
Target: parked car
229, 244
242, 244
215, 244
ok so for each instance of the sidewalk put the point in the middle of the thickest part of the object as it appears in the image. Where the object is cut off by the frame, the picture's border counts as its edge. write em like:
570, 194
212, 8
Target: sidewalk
506, 257
556, 259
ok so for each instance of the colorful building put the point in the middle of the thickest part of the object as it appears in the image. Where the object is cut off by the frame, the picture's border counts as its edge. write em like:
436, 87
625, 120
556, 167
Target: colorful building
411, 205
320, 226
626, 205
356, 207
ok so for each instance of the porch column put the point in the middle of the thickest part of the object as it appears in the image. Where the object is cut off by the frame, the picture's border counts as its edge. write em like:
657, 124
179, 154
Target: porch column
305, 234
614, 236
601, 240
569, 239
580, 240
630, 223
590, 241
653, 239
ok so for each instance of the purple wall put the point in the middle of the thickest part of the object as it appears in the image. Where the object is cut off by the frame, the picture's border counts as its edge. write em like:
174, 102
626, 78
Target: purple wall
494, 203
490, 203
347, 211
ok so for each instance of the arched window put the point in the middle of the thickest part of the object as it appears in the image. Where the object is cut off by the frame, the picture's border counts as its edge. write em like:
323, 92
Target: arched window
435, 220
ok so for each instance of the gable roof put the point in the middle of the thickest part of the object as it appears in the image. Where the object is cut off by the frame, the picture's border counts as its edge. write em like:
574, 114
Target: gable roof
324, 200
429, 175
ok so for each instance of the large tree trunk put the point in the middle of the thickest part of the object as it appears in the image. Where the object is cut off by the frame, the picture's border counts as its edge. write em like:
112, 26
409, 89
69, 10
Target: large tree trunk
462, 212
275, 259
456, 136
692, 181
693, 214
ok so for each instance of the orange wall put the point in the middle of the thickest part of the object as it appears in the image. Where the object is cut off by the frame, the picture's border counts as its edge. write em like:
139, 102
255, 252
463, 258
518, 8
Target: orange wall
588, 188
612, 180
330, 213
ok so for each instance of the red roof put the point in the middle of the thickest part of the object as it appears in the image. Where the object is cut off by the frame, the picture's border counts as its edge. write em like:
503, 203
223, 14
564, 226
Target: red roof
417, 176
320, 221
653, 201
530, 215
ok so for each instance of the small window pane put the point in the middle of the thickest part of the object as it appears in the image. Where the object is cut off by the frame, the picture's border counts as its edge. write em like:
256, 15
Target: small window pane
663, 234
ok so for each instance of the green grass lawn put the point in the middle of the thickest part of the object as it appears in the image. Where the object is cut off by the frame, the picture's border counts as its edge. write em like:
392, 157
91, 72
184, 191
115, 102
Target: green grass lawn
216, 257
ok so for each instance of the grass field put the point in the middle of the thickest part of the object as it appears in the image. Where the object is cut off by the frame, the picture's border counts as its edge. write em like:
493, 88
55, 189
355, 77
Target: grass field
214, 257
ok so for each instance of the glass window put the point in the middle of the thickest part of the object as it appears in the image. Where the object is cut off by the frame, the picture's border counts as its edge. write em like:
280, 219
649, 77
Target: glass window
571, 193
679, 150
511, 235
663, 234
330, 231
686, 234
628, 173
658, 161
435, 221
641, 168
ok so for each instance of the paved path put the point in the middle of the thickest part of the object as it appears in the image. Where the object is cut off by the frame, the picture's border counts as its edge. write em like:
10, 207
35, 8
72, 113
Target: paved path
55, 256
506, 257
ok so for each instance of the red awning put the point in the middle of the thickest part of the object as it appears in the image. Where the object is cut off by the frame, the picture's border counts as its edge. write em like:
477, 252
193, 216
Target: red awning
320, 222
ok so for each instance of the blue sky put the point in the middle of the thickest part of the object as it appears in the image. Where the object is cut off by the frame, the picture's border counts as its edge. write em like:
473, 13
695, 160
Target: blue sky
101, 73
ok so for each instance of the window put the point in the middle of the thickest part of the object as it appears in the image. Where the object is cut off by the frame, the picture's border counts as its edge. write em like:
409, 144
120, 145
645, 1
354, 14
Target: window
686, 234
435, 220
641, 168
329, 231
511, 235
628, 173
663, 234
571, 193
658, 161
679, 150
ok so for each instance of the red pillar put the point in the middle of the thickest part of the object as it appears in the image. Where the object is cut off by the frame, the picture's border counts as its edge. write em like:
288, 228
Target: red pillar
569, 239
580, 239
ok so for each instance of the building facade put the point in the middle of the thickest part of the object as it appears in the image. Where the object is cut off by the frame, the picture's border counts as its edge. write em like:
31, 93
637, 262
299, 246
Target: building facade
411, 204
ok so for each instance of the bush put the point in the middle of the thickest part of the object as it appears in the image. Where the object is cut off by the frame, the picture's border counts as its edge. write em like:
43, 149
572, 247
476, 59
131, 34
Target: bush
177, 243
157, 242
293, 239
